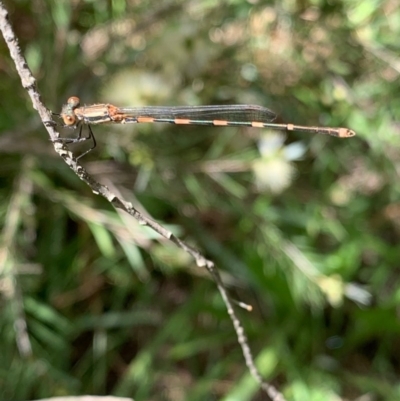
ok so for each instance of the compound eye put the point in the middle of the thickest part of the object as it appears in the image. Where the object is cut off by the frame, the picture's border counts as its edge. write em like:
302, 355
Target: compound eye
73, 101
68, 120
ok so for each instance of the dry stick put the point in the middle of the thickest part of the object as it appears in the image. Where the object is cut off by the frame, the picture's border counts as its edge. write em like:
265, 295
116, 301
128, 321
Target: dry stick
29, 83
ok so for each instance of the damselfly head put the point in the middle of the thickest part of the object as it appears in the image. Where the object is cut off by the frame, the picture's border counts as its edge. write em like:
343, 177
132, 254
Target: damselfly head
67, 111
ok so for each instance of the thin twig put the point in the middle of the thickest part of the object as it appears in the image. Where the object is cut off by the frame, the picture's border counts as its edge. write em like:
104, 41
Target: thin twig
29, 83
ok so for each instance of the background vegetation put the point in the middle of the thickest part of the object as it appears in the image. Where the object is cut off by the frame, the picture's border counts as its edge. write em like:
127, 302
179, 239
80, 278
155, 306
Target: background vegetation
305, 228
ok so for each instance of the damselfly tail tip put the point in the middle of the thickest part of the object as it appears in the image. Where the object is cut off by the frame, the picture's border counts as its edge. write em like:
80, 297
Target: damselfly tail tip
346, 133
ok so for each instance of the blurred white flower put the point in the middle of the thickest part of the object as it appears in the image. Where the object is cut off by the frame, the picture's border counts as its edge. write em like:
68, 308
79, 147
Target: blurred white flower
273, 170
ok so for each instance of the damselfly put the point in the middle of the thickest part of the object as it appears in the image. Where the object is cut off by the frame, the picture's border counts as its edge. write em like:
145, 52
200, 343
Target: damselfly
241, 115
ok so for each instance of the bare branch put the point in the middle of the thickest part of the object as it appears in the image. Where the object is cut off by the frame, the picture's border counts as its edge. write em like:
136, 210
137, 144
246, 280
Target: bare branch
29, 83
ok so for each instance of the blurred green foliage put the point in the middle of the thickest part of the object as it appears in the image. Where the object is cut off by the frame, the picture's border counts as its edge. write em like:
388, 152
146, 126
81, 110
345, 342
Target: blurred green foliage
305, 229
